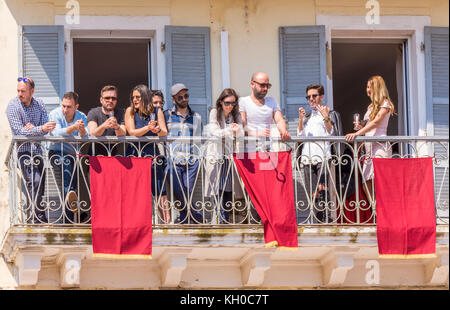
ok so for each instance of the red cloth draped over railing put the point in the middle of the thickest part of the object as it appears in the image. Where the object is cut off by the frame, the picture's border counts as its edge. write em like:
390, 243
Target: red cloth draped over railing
405, 208
356, 210
268, 180
121, 206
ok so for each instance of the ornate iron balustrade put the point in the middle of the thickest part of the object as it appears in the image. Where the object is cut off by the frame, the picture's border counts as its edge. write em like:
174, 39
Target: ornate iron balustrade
207, 202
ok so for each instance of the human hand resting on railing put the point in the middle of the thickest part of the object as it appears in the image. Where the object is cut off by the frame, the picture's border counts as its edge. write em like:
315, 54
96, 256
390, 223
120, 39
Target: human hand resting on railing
153, 126
285, 135
156, 129
47, 127
351, 136
111, 123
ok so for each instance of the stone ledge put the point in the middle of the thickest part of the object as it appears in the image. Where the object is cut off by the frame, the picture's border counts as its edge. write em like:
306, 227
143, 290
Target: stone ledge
209, 236
327, 257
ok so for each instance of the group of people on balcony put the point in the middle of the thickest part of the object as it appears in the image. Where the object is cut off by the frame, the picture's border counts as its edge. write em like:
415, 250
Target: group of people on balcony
231, 116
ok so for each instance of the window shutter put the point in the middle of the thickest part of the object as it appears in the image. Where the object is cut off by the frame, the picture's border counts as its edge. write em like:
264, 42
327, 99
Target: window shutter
302, 62
436, 66
43, 60
436, 63
188, 61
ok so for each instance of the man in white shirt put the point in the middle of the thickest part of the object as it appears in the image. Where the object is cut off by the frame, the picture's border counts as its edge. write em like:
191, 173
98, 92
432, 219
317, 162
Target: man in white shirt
258, 111
315, 155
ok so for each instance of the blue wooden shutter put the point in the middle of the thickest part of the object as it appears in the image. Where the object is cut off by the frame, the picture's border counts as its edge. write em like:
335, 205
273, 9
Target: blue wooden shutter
302, 62
436, 62
43, 60
436, 66
188, 61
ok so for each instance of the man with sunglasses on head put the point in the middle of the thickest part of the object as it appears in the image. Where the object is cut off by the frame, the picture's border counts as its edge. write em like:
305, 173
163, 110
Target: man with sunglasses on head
258, 111
321, 122
106, 120
27, 116
183, 162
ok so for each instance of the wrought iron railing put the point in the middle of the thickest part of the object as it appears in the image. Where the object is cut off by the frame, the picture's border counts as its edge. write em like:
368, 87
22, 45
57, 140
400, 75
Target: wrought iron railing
344, 200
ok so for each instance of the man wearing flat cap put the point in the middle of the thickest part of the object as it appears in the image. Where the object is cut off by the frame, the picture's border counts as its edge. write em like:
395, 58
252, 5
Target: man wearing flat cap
183, 165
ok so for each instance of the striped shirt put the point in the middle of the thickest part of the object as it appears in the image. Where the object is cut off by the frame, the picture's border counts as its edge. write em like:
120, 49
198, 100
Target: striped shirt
19, 115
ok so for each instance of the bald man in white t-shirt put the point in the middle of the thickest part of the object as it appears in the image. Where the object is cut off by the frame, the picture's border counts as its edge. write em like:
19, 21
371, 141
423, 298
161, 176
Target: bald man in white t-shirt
258, 111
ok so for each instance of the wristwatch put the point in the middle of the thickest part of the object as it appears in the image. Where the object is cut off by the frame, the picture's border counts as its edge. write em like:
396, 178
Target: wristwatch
326, 120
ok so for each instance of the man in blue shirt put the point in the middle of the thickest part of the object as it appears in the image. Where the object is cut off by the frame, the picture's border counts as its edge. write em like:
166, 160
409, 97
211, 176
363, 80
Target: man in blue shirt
69, 122
27, 117
183, 162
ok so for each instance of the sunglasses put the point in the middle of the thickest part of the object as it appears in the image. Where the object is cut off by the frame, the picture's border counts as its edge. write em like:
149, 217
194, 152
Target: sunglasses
179, 98
313, 96
136, 97
110, 98
24, 79
228, 103
263, 85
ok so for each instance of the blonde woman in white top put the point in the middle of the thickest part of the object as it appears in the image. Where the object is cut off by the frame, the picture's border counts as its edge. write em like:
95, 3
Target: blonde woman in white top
377, 120
224, 122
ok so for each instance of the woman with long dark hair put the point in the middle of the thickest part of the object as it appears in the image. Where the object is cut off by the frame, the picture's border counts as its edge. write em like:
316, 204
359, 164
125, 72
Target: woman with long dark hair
144, 119
224, 122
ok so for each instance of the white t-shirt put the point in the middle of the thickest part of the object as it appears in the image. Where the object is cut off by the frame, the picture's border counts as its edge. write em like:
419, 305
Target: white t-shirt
315, 152
258, 117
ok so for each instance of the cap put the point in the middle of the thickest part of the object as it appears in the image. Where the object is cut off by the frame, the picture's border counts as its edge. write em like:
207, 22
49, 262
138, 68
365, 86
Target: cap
175, 89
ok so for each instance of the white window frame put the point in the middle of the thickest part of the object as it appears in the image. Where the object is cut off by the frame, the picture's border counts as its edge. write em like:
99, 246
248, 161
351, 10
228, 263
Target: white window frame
409, 28
118, 27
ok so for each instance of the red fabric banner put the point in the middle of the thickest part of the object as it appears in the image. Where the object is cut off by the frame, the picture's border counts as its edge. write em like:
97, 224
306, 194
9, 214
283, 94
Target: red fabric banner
357, 207
121, 206
406, 221
268, 180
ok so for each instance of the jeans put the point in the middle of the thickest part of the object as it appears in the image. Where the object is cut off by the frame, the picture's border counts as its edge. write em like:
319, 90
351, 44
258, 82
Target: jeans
183, 178
34, 177
65, 163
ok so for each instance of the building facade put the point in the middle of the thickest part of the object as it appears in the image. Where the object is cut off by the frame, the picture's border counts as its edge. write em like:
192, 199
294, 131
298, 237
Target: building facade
210, 45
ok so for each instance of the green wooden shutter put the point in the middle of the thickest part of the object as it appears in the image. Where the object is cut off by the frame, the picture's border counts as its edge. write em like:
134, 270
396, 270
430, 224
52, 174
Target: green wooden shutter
43, 60
436, 66
302, 62
188, 61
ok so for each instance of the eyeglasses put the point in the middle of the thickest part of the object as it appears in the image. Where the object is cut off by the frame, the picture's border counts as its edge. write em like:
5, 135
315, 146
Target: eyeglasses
313, 96
110, 98
24, 79
179, 98
136, 97
263, 85
228, 103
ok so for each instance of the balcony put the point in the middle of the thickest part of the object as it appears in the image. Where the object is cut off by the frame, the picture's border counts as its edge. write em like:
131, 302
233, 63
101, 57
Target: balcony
337, 238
